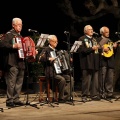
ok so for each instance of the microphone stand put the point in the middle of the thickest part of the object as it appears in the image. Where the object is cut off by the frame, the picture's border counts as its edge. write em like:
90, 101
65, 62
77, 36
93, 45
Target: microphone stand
27, 99
68, 47
47, 101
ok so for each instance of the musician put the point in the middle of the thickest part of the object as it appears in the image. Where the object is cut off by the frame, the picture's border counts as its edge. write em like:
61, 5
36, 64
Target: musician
117, 68
14, 66
107, 63
50, 73
89, 64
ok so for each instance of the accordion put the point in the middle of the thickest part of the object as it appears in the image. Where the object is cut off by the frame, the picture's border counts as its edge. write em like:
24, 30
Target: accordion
28, 48
60, 63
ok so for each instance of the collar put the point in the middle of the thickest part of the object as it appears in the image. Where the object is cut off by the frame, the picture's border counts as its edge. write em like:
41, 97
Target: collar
103, 36
89, 36
52, 47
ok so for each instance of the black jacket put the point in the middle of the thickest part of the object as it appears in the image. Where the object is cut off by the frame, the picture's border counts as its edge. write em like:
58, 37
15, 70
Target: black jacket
89, 60
107, 61
48, 66
11, 56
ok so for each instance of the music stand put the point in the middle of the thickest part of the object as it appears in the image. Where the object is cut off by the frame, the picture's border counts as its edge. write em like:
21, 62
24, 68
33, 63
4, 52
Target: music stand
42, 40
74, 48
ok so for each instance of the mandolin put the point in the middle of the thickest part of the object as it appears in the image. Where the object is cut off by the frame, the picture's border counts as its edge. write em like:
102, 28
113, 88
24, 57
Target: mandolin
111, 51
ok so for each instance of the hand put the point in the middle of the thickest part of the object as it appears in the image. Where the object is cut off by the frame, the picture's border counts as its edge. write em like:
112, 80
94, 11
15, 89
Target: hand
36, 51
115, 45
17, 45
71, 60
98, 46
106, 49
51, 59
95, 47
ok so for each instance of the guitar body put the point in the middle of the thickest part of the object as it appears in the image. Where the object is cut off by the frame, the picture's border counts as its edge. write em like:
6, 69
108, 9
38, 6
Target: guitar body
111, 51
108, 53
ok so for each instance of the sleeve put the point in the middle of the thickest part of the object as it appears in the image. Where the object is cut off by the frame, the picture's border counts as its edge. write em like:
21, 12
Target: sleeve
83, 48
43, 56
7, 41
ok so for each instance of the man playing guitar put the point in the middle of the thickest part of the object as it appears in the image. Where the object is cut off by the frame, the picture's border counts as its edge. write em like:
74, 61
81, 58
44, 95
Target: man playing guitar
106, 63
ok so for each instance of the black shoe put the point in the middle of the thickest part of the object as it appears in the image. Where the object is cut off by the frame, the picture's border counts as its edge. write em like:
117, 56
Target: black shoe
103, 96
96, 98
67, 98
84, 99
10, 104
19, 103
61, 101
111, 96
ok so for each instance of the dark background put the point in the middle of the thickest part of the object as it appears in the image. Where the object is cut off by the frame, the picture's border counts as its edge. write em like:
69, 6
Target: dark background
45, 17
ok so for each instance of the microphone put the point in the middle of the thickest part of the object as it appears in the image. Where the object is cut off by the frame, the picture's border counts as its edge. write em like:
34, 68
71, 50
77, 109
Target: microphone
65, 42
117, 33
66, 32
95, 33
30, 30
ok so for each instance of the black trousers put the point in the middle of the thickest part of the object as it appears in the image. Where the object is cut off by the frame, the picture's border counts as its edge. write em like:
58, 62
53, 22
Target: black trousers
90, 83
14, 80
106, 80
63, 82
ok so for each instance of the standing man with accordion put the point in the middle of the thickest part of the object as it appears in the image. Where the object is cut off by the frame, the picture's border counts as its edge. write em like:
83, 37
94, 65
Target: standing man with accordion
14, 66
49, 58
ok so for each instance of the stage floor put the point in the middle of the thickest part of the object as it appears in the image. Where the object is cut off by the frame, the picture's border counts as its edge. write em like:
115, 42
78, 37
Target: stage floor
74, 110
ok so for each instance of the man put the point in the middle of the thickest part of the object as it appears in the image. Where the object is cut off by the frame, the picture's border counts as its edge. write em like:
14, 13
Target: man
117, 68
48, 57
89, 64
107, 63
14, 66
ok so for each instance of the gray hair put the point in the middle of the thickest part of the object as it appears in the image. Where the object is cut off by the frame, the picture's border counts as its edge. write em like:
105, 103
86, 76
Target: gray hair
51, 37
101, 30
16, 20
86, 28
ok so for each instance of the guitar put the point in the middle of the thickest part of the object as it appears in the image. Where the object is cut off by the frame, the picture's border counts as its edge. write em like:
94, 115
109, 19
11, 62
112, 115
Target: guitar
111, 51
